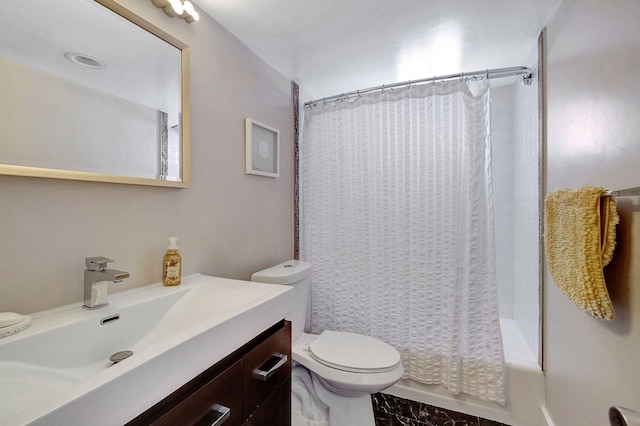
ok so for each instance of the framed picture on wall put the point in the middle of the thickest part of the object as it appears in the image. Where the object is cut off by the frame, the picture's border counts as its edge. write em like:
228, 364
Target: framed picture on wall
262, 144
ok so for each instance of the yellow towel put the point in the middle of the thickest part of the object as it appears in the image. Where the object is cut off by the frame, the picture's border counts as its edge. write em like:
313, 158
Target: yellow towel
579, 236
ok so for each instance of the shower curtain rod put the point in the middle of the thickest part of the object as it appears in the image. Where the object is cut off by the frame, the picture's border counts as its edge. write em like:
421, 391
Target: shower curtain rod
489, 73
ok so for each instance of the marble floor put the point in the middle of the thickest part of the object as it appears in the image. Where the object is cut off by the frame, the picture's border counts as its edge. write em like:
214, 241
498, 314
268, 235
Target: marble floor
391, 410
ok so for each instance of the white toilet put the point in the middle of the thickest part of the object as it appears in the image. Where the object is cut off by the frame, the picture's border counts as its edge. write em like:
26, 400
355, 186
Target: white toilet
335, 372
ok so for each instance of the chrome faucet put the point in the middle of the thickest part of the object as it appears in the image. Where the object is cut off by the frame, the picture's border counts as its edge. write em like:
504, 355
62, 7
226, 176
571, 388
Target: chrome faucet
96, 281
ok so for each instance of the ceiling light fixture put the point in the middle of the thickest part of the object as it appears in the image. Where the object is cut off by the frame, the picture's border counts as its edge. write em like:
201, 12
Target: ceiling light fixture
177, 8
85, 60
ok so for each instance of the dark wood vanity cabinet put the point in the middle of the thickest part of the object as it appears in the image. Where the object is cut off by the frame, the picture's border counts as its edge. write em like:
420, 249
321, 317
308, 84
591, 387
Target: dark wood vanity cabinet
250, 387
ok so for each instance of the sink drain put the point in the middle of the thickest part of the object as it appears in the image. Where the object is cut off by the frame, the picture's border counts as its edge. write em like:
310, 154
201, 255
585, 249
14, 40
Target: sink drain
119, 356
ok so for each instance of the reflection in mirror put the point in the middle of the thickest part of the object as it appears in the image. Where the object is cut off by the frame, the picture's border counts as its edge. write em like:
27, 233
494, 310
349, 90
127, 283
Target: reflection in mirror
91, 92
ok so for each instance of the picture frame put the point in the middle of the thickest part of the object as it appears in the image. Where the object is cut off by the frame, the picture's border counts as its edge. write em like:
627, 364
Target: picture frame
262, 149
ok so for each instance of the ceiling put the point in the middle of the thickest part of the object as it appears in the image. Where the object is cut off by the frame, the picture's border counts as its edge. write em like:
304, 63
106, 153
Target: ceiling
336, 46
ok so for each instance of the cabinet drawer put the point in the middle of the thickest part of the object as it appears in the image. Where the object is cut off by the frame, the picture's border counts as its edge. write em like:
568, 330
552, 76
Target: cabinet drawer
198, 409
257, 386
275, 411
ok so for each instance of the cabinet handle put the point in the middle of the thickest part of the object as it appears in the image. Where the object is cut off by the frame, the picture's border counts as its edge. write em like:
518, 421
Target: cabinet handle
218, 414
269, 367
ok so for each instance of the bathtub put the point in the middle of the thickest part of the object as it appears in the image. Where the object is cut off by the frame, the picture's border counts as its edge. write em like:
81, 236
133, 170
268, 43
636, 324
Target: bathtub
524, 387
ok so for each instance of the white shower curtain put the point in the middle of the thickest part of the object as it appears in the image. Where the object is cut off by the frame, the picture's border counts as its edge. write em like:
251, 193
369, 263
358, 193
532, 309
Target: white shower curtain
396, 218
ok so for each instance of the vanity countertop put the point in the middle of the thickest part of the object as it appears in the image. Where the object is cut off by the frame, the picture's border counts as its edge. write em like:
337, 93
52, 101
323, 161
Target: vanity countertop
58, 371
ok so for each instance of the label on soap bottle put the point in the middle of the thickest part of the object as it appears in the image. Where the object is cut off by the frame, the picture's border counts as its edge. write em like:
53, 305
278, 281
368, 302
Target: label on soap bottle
172, 272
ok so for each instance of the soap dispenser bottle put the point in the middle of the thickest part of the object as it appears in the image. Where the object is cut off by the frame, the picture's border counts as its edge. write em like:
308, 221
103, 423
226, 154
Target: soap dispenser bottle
172, 264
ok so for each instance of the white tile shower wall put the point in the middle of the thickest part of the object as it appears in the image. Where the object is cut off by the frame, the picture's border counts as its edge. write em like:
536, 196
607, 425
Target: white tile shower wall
502, 168
526, 218
514, 131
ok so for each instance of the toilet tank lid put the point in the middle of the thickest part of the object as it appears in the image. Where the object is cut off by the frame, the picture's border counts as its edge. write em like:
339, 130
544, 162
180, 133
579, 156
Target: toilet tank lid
285, 273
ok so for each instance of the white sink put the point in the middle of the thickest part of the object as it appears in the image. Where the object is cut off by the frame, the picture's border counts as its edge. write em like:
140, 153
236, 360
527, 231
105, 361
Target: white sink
58, 371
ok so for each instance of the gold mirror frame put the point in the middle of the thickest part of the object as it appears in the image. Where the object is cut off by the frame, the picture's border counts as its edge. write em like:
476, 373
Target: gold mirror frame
27, 171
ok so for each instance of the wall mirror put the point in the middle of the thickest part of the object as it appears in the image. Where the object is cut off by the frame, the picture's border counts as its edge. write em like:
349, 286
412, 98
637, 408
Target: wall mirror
90, 91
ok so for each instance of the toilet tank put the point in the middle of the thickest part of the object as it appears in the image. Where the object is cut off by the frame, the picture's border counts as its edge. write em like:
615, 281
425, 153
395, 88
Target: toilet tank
296, 273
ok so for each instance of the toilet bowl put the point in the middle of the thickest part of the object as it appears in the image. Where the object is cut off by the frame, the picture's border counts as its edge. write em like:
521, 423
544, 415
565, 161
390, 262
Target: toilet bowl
348, 364
344, 368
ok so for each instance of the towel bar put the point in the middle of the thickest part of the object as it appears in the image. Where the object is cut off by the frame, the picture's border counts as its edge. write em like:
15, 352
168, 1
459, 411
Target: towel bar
629, 192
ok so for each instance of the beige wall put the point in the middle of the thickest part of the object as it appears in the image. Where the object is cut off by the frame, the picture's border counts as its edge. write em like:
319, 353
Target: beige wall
230, 224
593, 110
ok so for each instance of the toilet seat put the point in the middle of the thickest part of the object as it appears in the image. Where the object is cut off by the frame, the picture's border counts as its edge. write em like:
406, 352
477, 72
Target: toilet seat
353, 352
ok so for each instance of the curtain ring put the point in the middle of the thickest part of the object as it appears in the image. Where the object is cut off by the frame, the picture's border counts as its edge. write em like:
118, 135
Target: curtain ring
434, 81
462, 76
409, 85
358, 93
325, 101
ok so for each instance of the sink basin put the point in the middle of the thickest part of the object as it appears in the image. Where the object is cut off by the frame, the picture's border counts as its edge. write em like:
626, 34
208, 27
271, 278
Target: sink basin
65, 346
63, 358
